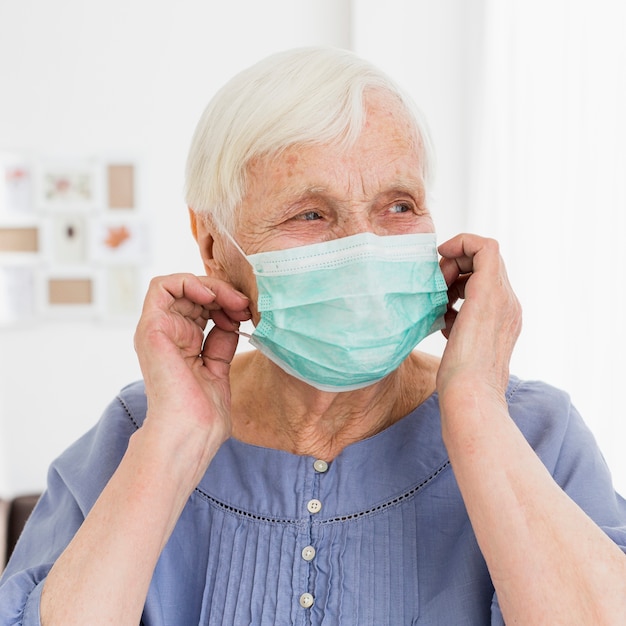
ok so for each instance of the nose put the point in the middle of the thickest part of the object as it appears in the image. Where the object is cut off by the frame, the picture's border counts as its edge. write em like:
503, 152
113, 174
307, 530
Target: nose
354, 222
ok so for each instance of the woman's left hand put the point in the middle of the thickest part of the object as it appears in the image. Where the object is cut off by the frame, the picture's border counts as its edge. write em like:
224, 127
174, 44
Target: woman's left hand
549, 562
482, 334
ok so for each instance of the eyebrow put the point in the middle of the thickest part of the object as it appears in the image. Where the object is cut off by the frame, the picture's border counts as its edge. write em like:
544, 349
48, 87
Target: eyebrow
410, 186
414, 187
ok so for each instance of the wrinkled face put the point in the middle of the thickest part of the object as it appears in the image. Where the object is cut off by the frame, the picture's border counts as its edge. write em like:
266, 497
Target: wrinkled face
310, 194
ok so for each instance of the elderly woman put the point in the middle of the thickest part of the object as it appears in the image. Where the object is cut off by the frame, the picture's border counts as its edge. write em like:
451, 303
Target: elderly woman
333, 475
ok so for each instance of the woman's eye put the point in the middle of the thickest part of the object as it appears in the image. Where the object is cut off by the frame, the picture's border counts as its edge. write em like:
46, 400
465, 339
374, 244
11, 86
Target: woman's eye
310, 216
400, 207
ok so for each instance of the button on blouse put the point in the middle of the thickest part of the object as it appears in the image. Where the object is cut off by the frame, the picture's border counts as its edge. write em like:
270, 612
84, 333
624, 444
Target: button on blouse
308, 553
314, 506
320, 466
306, 600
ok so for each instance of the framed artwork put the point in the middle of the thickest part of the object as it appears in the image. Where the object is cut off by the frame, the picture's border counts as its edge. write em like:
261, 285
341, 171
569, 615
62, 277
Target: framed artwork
68, 184
18, 294
67, 239
16, 186
121, 286
122, 240
68, 294
121, 193
73, 241
22, 239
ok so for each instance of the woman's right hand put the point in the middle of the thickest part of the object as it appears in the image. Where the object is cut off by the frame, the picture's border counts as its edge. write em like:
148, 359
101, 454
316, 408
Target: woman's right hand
188, 419
187, 375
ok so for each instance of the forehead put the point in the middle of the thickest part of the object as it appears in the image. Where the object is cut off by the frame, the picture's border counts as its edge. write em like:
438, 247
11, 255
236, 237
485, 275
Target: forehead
388, 151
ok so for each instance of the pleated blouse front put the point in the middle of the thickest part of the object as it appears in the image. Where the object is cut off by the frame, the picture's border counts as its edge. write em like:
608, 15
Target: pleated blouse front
379, 536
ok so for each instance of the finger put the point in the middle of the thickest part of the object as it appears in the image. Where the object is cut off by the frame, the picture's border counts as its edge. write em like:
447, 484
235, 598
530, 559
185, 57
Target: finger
188, 287
229, 306
456, 291
198, 313
234, 303
166, 290
218, 351
197, 298
478, 259
449, 269
466, 251
202, 318
449, 319
223, 321
202, 290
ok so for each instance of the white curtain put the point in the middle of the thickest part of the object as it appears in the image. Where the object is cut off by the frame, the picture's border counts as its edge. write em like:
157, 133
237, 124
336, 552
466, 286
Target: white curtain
526, 100
547, 163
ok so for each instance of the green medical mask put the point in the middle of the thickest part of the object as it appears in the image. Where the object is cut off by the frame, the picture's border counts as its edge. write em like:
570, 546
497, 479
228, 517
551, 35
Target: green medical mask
342, 314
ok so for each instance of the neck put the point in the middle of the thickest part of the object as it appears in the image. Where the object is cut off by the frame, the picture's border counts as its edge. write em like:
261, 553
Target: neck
274, 410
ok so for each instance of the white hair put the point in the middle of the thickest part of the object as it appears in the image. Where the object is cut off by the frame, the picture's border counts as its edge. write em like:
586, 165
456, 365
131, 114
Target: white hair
303, 96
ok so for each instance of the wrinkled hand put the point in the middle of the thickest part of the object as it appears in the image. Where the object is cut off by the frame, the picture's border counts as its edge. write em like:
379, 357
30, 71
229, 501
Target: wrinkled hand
482, 334
186, 375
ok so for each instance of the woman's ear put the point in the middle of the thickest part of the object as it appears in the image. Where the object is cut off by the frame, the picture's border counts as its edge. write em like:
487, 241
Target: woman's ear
203, 232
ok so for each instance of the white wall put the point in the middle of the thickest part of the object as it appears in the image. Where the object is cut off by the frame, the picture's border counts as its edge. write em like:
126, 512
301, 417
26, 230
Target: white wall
528, 121
123, 77
548, 182
132, 76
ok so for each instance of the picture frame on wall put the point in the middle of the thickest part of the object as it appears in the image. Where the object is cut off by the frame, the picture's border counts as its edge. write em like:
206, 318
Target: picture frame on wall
73, 234
120, 287
116, 240
18, 294
69, 294
16, 187
121, 188
68, 184
20, 240
66, 239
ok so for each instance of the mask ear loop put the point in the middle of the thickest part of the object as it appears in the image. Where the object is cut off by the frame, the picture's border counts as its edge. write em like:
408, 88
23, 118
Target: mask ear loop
237, 246
243, 254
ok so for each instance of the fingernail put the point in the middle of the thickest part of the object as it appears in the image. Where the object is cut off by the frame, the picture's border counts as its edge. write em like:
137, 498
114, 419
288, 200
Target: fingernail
210, 291
243, 295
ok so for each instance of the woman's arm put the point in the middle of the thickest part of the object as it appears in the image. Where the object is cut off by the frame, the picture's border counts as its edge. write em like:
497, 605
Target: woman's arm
549, 562
104, 574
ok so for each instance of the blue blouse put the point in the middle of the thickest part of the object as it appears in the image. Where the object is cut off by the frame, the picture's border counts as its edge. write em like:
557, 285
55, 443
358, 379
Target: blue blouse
379, 536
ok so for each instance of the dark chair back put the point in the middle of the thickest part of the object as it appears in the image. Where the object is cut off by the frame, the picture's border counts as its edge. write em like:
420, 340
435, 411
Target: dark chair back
13, 516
